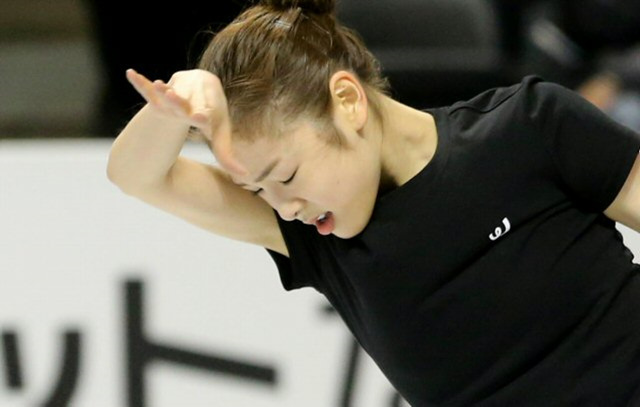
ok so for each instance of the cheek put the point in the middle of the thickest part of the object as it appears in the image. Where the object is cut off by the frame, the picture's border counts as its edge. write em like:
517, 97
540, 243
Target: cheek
273, 197
339, 182
343, 190
322, 189
270, 202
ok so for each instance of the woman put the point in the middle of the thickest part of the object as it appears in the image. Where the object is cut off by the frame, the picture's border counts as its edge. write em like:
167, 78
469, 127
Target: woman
471, 249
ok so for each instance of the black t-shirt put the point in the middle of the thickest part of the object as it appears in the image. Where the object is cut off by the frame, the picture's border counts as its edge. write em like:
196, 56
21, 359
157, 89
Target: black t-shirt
492, 278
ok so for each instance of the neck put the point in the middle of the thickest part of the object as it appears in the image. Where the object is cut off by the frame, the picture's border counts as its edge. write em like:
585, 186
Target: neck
408, 143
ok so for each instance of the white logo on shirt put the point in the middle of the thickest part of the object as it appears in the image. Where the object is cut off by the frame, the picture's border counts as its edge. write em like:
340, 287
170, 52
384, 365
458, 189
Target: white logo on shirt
499, 231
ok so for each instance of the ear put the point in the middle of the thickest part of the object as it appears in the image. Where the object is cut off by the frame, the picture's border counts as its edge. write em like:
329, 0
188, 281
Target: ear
349, 99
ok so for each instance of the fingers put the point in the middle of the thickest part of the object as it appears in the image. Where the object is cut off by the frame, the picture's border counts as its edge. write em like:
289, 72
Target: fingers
152, 92
222, 148
140, 83
164, 98
174, 99
197, 99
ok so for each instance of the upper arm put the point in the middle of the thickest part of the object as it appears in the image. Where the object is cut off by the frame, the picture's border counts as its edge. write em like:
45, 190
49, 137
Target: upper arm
205, 196
626, 206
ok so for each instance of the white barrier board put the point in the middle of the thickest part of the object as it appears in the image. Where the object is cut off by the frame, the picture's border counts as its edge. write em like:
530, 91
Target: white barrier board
106, 302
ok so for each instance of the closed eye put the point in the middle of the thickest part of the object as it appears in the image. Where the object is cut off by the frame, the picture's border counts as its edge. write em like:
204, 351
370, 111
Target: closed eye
290, 178
257, 192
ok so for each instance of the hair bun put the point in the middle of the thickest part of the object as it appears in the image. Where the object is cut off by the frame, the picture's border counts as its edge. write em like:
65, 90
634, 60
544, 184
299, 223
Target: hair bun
313, 6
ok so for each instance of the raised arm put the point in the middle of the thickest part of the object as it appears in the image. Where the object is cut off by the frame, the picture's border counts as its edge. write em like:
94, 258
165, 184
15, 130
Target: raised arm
145, 160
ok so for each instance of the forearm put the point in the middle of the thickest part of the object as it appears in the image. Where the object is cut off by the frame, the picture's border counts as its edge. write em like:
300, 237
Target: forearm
146, 149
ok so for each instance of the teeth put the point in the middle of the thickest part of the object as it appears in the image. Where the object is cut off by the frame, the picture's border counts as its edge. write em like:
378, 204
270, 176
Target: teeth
322, 217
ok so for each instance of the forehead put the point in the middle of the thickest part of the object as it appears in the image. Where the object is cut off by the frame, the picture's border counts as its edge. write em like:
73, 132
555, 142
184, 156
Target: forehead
273, 151
284, 140
261, 148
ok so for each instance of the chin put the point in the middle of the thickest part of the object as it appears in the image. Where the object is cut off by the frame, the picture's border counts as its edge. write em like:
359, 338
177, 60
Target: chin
343, 235
349, 233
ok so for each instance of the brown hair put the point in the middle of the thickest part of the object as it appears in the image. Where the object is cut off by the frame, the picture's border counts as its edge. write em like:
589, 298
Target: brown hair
275, 61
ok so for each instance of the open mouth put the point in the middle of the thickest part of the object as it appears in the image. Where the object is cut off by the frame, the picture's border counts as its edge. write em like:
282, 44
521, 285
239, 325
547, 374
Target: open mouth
325, 223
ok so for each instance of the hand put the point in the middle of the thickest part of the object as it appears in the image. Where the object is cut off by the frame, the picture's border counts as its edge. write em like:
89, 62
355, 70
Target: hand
191, 96
197, 98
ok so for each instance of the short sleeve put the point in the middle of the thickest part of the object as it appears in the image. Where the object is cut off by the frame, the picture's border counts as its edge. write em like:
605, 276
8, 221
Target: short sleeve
301, 268
592, 153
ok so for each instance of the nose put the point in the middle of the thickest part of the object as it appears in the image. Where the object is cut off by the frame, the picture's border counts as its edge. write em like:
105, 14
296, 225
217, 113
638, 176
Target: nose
289, 210
288, 205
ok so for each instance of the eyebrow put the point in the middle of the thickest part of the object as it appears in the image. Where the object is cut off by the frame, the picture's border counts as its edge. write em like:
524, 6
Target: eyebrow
264, 174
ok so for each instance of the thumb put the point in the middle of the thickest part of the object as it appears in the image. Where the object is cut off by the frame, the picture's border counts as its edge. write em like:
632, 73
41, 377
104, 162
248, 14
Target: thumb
221, 146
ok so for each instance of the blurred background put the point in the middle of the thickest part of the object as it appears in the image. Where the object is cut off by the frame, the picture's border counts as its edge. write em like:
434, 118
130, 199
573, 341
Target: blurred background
62, 63
49, 69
